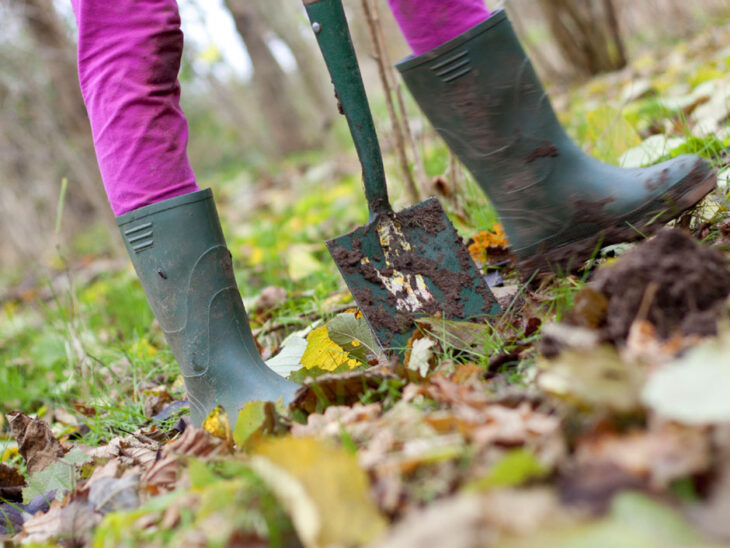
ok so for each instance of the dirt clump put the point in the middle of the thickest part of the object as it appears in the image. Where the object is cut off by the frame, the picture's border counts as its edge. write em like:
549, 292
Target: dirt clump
671, 280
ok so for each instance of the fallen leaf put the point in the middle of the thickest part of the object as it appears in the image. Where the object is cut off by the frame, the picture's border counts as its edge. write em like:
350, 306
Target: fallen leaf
338, 389
302, 261
218, 425
271, 297
660, 456
353, 335
635, 520
324, 490
649, 151
511, 470
289, 357
254, 420
694, 388
469, 337
60, 476
593, 378
323, 353
110, 494
10, 477
419, 355
36, 443
73, 523
589, 308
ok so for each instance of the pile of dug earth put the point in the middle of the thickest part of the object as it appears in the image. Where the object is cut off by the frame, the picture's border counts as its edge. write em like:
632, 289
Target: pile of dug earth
672, 281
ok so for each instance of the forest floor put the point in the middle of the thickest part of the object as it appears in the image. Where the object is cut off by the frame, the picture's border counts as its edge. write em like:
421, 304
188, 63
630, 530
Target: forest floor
593, 412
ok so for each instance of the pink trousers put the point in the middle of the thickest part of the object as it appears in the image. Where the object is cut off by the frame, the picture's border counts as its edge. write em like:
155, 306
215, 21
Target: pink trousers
129, 55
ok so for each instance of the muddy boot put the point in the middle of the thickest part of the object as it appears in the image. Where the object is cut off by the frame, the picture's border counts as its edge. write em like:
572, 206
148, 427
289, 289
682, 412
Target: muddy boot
181, 258
557, 204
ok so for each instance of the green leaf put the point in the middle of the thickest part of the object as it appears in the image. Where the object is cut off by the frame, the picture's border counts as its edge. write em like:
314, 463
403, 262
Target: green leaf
468, 337
60, 475
513, 469
353, 334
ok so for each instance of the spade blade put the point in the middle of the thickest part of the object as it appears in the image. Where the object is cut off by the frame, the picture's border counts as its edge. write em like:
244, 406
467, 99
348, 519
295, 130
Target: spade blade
402, 266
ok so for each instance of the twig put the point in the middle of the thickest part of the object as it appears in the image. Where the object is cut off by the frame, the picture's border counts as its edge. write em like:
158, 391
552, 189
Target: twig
397, 130
421, 178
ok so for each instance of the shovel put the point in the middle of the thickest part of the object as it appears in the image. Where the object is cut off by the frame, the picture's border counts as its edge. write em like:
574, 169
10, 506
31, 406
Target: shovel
399, 266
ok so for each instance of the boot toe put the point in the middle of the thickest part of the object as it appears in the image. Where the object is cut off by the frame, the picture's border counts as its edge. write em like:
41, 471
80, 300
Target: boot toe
682, 183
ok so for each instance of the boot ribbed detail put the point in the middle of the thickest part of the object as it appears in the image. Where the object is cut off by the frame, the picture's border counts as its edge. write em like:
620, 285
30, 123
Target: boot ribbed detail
179, 253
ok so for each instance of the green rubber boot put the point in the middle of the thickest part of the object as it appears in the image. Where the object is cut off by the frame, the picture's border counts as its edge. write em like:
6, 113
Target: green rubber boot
557, 204
180, 255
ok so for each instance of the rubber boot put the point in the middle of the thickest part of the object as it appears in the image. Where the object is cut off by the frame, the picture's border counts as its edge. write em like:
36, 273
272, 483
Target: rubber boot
557, 204
180, 255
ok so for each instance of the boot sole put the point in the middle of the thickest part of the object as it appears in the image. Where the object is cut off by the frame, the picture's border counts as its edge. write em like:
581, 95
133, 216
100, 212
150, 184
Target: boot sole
570, 256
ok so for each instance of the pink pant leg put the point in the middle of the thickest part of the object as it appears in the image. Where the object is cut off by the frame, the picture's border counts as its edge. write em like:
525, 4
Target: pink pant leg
426, 24
128, 58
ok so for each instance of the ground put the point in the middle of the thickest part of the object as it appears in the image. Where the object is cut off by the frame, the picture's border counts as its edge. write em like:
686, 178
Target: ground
593, 412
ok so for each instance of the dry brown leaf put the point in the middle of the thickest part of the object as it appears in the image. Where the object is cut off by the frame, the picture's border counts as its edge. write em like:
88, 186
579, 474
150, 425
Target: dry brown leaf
469, 520
660, 456
10, 477
644, 345
11, 483
195, 442
330, 423
73, 523
156, 400
36, 443
339, 388
163, 475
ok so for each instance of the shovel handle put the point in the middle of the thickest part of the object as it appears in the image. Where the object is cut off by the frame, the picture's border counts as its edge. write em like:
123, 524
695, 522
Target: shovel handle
333, 35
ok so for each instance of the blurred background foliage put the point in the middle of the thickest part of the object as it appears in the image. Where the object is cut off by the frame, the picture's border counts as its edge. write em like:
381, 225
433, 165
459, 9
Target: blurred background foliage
262, 115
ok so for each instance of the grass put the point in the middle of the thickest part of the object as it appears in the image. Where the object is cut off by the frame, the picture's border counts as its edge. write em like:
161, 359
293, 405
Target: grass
94, 348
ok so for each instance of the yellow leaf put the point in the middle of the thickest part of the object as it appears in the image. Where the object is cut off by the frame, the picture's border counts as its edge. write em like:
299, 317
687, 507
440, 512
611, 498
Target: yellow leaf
484, 240
218, 425
323, 489
302, 262
142, 349
324, 353
254, 420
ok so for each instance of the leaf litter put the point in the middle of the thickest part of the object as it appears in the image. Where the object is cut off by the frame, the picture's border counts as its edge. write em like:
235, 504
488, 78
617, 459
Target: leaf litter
590, 414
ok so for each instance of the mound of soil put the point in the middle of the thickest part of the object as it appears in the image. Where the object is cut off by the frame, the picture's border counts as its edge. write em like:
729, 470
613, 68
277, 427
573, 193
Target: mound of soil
671, 280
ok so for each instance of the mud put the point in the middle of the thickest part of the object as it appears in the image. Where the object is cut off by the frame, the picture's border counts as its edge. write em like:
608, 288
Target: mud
420, 225
548, 150
428, 216
347, 260
570, 256
672, 281
591, 212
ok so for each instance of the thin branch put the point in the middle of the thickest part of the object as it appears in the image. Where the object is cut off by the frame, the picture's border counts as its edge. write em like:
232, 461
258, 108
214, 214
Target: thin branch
397, 130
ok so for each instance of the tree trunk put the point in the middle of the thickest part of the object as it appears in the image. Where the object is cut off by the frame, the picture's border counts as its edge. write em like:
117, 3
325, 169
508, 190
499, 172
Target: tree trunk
587, 34
56, 52
281, 19
270, 80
